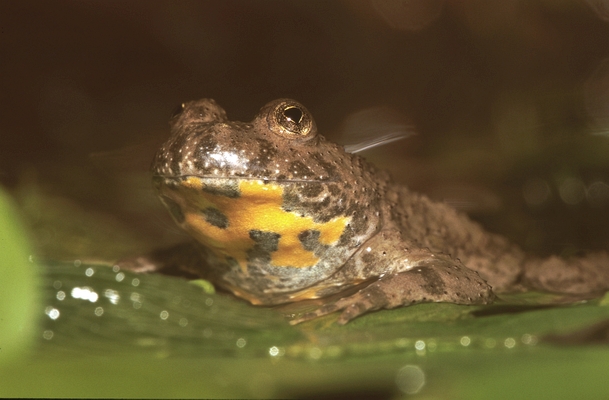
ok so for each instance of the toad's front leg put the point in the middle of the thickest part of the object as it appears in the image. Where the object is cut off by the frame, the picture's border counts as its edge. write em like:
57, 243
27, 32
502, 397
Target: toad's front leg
435, 279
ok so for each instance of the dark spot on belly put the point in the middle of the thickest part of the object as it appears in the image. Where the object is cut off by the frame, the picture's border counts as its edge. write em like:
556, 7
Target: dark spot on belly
309, 239
215, 217
267, 241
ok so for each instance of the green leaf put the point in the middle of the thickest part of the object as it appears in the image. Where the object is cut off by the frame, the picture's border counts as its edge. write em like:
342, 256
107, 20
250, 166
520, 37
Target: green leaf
19, 304
104, 332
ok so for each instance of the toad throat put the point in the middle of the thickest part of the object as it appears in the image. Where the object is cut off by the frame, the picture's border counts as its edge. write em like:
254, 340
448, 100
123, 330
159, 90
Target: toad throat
231, 226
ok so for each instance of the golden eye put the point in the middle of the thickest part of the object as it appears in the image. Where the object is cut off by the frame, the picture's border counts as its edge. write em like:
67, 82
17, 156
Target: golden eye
291, 120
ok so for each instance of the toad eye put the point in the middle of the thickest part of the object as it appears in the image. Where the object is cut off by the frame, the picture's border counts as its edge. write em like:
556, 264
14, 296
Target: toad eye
291, 120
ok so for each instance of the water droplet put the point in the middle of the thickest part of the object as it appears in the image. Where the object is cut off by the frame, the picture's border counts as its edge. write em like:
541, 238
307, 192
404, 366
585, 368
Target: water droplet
52, 312
112, 295
84, 293
529, 339
410, 379
315, 353
598, 194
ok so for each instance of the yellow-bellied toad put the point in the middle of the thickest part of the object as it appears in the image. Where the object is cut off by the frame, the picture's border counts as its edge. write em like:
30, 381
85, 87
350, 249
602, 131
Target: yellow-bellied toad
279, 214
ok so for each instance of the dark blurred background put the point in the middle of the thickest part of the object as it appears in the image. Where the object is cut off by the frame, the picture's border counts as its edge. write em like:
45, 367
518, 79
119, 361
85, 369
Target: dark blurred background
510, 100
